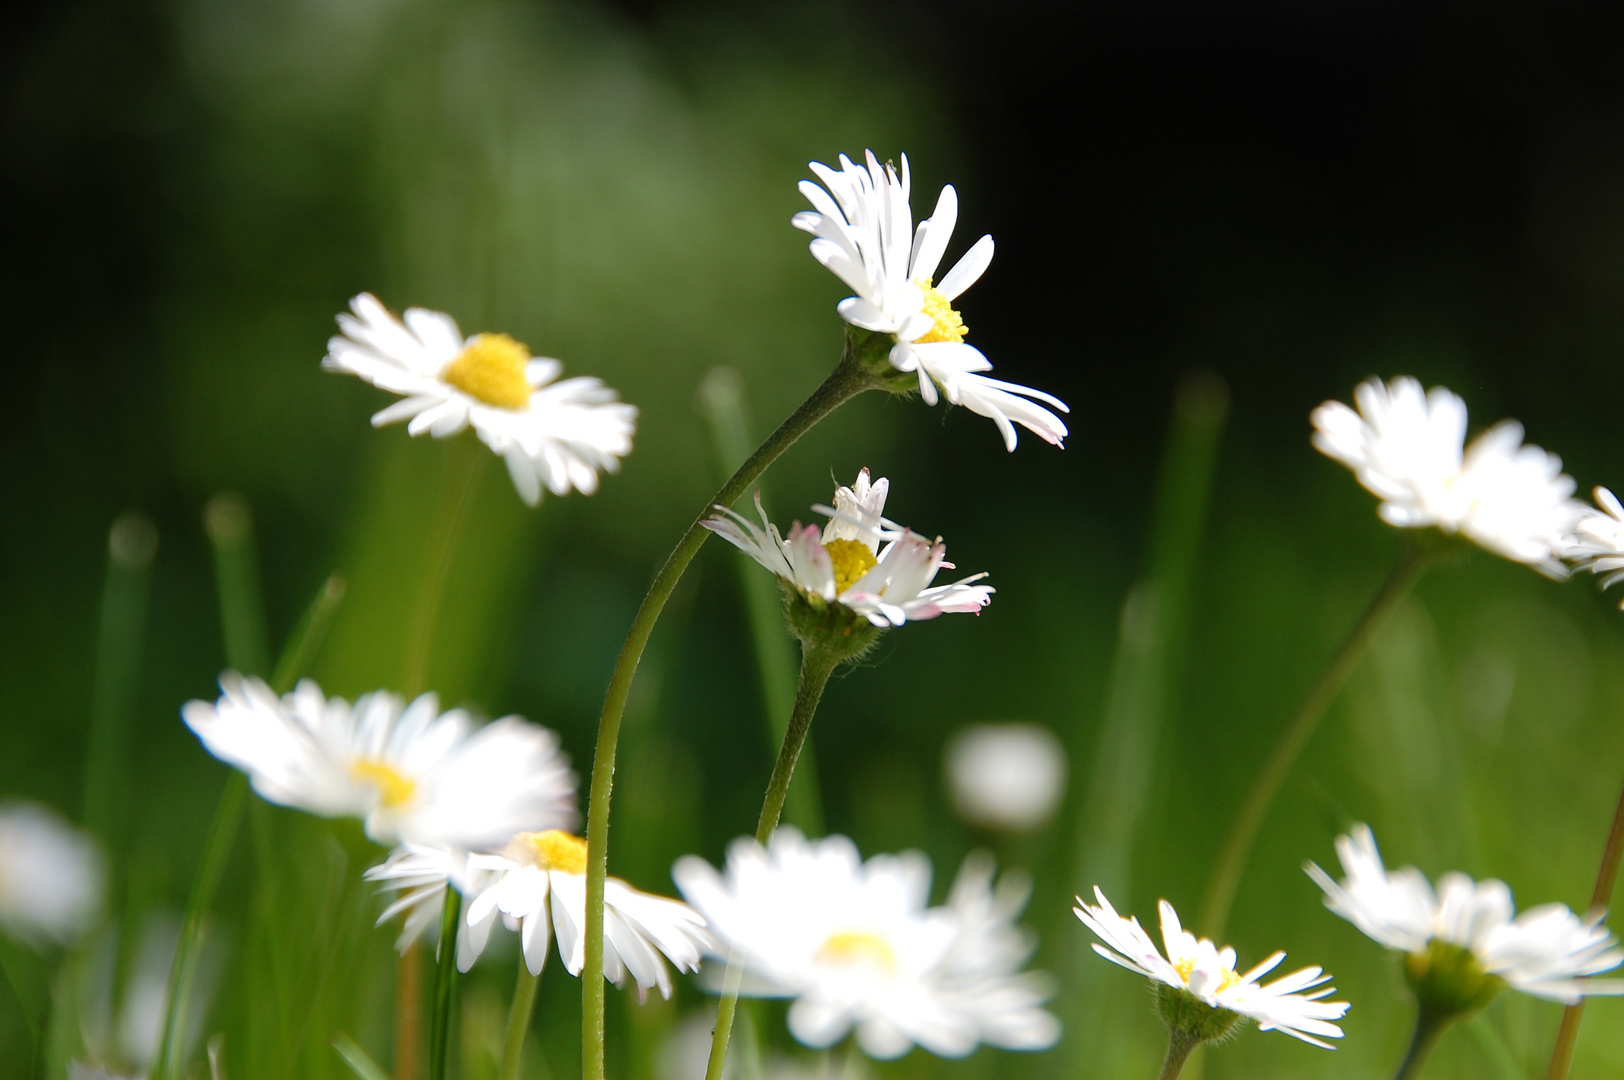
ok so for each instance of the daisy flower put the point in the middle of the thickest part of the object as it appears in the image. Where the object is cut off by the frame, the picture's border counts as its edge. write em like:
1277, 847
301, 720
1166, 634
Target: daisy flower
537, 886
1407, 448
856, 946
552, 434
1009, 777
1597, 541
846, 564
1547, 951
1202, 971
863, 232
52, 877
414, 774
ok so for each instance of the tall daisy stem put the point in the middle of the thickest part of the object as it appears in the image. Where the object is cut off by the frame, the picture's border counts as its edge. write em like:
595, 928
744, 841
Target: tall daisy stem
167, 1065
1237, 848
817, 664
445, 982
859, 370
1180, 1045
518, 1025
1429, 1025
1606, 877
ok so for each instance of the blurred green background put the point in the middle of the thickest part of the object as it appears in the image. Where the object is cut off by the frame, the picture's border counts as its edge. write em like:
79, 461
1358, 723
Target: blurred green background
1292, 200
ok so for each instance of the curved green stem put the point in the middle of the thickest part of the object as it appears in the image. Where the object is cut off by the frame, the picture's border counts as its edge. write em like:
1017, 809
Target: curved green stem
1429, 1025
1606, 877
851, 377
816, 667
1180, 1045
1237, 848
445, 982
518, 1024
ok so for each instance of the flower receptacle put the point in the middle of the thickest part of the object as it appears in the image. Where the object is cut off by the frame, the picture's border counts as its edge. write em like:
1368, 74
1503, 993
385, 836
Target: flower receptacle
833, 630
1449, 982
1189, 1019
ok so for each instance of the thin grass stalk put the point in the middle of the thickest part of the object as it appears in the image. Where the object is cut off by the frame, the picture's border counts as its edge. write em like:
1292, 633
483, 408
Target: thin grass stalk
850, 378
816, 667
1567, 1036
301, 647
723, 403
1237, 847
236, 575
445, 984
518, 1023
132, 544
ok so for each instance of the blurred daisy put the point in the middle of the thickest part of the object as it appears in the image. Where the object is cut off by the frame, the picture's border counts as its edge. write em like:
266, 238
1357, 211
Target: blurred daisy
1597, 541
1006, 776
1406, 448
1547, 951
537, 886
846, 564
552, 434
414, 774
52, 877
863, 232
856, 946
1201, 970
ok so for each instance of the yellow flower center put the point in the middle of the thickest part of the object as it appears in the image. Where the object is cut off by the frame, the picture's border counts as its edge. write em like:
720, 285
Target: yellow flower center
393, 788
491, 368
851, 559
851, 948
551, 850
949, 326
1186, 966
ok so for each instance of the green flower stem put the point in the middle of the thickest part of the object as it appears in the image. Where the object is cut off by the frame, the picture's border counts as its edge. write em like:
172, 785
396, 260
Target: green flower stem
817, 664
131, 545
857, 371
300, 648
1180, 1045
1600, 899
1237, 848
1429, 1025
518, 1025
445, 983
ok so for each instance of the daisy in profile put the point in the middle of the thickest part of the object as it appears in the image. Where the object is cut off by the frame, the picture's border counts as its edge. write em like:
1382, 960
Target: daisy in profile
52, 877
1597, 541
556, 435
1200, 995
845, 563
414, 774
1407, 447
537, 886
1464, 942
857, 946
863, 232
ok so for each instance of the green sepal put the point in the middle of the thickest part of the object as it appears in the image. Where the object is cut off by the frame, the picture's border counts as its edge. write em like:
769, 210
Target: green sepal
833, 630
1192, 1020
1448, 981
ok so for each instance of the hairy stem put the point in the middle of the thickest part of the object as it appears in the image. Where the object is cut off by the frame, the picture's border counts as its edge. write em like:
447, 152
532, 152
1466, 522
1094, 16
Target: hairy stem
816, 667
850, 378
1180, 1045
1602, 896
518, 1024
1237, 848
445, 981
1429, 1025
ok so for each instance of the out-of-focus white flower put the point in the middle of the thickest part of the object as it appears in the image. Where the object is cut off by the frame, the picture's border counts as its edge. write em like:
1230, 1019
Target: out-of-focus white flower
122, 1018
857, 946
1006, 776
537, 886
1597, 541
1201, 969
414, 774
1547, 951
52, 878
845, 563
1406, 448
863, 232
552, 434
